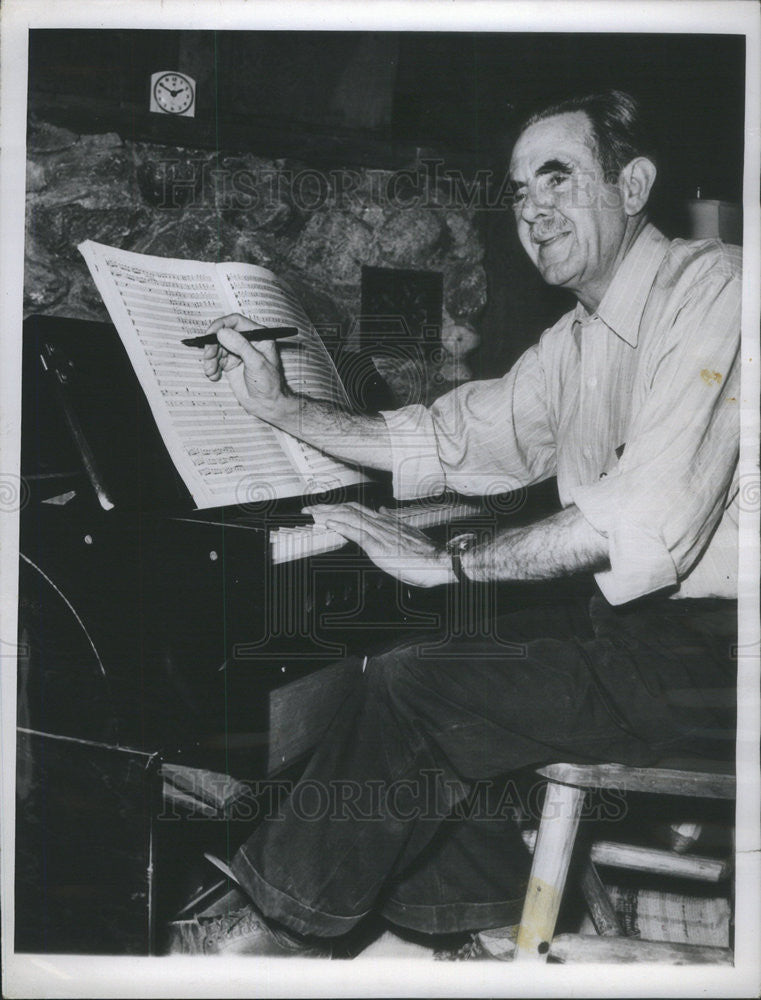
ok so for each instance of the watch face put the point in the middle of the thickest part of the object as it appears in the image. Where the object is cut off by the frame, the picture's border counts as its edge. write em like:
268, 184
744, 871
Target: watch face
173, 93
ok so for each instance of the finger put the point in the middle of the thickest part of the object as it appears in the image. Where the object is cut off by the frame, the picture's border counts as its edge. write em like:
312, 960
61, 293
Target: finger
212, 362
350, 532
321, 508
233, 321
237, 344
346, 505
269, 349
221, 362
365, 528
354, 511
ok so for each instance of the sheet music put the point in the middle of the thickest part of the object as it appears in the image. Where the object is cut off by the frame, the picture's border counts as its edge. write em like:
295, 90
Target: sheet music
308, 367
223, 454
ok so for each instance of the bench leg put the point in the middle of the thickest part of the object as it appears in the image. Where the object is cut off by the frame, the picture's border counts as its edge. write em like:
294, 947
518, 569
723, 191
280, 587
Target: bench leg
552, 856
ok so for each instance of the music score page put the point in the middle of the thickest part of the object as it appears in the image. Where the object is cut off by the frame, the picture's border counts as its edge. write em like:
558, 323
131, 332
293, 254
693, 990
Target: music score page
223, 454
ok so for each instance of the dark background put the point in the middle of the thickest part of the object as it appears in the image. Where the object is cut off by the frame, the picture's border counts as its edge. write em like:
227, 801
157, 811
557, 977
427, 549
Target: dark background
387, 99
376, 95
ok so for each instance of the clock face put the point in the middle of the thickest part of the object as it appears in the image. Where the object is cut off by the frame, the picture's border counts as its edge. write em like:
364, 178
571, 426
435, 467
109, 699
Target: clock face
173, 93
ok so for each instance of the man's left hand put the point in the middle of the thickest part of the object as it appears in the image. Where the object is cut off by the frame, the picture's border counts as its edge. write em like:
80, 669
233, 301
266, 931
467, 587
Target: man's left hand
402, 551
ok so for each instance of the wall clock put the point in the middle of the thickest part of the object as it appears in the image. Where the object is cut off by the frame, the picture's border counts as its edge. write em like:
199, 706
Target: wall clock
173, 93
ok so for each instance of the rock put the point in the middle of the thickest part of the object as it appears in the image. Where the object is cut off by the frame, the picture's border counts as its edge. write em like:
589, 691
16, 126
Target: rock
99, 143
171, 182
85, 296
314, 227
42, 137
44, 287
35, 177
322, 309
465, 241
94, 177
251, 248
464, 290
57, 231
371, 215
332, 247
197, 234
410, 238
264, 212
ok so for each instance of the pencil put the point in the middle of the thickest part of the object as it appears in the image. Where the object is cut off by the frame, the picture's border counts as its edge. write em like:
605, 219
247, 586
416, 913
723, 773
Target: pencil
252, 336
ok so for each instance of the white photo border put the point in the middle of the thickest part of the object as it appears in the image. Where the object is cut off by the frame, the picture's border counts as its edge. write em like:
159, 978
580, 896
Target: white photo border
76, 976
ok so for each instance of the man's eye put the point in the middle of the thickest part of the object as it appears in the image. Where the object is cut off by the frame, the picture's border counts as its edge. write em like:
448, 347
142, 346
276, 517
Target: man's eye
519, 196
556, 180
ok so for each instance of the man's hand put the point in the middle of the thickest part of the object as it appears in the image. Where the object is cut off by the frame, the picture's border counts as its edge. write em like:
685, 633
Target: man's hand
257, 379
254, 371
397, 549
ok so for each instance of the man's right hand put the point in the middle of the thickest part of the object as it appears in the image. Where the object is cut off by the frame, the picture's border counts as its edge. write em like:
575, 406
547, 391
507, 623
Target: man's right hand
257, 379
255, 373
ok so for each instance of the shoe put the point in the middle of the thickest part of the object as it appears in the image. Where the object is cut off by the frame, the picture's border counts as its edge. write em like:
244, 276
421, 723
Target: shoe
499, 942
240, 932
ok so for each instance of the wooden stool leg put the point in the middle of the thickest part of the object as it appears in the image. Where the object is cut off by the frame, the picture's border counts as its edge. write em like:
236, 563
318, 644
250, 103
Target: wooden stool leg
601, 910
552, 856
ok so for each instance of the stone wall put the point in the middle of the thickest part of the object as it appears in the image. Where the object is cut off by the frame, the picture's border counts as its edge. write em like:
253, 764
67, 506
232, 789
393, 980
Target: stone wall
314, 227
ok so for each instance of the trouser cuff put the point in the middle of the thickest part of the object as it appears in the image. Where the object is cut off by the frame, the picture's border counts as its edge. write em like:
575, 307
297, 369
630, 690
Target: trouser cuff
452, 918
286, 909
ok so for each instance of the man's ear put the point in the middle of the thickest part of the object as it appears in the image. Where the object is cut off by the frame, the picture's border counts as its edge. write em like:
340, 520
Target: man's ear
636, 180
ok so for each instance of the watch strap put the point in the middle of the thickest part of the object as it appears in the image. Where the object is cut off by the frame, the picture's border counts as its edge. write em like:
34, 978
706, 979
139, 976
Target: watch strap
456, 547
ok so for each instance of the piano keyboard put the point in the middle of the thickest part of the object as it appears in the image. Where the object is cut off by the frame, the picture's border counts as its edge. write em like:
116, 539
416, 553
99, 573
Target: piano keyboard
299, 542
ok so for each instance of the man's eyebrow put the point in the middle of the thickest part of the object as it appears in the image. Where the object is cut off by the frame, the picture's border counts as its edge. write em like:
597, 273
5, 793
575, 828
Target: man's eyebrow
553, 167
548, 167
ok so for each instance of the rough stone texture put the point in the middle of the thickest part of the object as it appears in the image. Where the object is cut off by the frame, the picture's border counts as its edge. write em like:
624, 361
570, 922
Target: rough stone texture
411, 238
314, 228
46, 138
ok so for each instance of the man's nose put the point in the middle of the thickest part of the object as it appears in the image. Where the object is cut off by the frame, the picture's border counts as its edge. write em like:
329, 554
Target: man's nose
535, 205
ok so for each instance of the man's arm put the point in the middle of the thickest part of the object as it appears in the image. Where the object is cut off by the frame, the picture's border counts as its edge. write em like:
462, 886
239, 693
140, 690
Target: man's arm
257, 379
560, 545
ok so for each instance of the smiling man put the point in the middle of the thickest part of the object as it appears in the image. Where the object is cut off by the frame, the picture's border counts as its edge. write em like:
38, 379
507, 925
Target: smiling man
615, 401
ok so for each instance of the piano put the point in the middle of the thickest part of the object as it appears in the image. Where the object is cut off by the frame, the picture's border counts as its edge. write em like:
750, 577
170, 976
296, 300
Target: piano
154, 636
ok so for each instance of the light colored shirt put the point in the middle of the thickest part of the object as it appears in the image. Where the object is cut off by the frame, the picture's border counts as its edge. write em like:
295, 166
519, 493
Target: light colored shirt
634, 408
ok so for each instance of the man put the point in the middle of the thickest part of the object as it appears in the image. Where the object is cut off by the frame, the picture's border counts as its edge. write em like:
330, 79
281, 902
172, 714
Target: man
631, 400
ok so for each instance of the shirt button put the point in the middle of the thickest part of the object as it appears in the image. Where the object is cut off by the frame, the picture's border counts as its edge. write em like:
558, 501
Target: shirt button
592, 382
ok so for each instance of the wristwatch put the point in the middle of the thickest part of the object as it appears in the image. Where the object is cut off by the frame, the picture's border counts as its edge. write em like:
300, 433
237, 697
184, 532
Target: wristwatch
455, 548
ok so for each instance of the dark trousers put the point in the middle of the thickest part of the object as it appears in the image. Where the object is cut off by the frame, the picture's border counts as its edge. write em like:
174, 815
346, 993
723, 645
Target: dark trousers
405, 808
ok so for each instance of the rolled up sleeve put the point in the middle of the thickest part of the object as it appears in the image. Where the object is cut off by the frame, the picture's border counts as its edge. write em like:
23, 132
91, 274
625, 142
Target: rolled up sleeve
660, 506
481, 438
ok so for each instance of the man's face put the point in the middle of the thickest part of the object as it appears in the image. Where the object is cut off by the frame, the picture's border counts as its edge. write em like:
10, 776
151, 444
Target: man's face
570, 222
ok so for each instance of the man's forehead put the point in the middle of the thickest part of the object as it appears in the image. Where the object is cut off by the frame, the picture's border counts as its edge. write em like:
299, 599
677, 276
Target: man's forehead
566, 136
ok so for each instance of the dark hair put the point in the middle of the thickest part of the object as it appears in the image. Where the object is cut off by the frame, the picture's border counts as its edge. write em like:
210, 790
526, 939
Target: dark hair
618, 126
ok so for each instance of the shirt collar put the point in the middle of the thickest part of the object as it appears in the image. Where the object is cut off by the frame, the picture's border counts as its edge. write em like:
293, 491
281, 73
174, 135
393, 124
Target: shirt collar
624, 302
